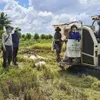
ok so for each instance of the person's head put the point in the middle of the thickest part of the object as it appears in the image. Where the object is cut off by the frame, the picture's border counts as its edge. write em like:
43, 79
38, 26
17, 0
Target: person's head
9, 29
57, 29
17, 30
74, 28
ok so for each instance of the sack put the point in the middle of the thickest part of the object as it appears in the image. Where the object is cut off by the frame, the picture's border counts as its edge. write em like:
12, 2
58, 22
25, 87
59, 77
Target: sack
73, 48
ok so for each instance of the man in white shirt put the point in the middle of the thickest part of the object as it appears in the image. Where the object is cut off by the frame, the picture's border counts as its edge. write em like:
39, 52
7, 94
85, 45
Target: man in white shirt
7, 46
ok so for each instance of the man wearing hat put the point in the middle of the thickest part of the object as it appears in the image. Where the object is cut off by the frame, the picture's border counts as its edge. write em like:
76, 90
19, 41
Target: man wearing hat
7, 46
15, 40
58, 44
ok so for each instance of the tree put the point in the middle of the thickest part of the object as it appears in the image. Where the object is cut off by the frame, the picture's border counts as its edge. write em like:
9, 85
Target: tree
42, 36
28, 36
23, 36
50, 36
36, 36
46, 37
4, 20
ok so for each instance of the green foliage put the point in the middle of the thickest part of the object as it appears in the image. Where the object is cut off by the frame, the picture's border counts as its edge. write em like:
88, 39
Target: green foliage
50, 36
23, 36
1, 28
1, 32
4, 20
36, 36
44, 36
28, 36
1, 96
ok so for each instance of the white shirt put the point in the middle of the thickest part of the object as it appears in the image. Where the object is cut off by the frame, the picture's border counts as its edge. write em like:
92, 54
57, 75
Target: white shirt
9, 40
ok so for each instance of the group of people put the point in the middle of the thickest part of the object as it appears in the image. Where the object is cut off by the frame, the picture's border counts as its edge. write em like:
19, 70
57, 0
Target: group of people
73, 51
73, 45
10, 44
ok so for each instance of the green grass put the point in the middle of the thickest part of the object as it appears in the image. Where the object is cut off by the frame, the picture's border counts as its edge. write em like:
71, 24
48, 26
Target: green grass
47, 82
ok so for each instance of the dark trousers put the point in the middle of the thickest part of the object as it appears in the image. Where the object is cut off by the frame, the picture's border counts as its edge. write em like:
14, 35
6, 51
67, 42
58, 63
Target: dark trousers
15, 51
58, 51
7, 56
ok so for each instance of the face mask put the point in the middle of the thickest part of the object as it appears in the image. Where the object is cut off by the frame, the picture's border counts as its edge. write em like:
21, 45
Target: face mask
9, 31
74, 30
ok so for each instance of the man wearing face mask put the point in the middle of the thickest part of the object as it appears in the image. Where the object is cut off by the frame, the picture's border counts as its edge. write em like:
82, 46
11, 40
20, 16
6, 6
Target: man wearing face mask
7, 46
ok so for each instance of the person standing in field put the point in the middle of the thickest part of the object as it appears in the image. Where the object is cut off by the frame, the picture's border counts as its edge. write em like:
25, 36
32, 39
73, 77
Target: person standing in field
7, 46
73, 45
15, 40
57, 43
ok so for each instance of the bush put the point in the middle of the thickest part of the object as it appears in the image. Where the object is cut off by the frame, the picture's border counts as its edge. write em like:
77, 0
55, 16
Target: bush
36, 36
28, 36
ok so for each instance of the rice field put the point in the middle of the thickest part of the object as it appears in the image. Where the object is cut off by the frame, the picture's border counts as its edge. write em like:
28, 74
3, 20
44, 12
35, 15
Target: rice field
47, 82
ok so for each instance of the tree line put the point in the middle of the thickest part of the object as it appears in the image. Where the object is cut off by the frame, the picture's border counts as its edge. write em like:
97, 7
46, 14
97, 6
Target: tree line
36, 36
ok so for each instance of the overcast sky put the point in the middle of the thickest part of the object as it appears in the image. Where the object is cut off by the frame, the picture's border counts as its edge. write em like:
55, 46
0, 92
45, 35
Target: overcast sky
39, 15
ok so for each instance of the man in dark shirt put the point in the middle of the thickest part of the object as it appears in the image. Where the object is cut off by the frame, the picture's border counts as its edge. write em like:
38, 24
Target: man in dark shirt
57, 39
15, 40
